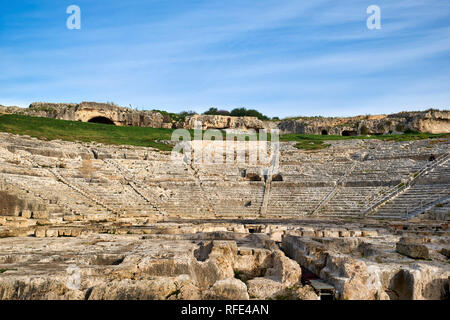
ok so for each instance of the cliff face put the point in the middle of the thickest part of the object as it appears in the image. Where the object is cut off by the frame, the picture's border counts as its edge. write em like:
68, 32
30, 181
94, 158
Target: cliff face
430, 121
5, 109
96, 112
224, 122
112, 114
434, 121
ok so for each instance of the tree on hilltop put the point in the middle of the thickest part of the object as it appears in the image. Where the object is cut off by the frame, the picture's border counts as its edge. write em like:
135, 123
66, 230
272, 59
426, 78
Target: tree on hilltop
216, 112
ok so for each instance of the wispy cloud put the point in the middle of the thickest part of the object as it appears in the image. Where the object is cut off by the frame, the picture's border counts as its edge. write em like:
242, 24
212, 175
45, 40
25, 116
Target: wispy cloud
283, 57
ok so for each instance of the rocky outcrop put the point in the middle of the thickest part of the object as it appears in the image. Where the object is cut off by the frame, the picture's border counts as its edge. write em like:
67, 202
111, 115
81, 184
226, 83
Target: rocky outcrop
12, 205
228, 289
224, 122
430, 121
110, 267
412, 248
10, 109
378, 276
263, 288
96, 112
113, 114
306, 293
284, 270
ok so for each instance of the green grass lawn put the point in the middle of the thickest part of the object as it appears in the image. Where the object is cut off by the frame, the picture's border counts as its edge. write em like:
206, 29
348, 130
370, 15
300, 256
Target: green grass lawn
51, 129
317, 142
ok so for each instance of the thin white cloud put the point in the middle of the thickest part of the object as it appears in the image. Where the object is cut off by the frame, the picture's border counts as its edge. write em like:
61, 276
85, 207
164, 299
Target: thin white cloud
271, 55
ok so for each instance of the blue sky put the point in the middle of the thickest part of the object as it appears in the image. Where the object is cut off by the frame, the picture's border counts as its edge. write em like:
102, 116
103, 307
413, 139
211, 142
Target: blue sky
283, 58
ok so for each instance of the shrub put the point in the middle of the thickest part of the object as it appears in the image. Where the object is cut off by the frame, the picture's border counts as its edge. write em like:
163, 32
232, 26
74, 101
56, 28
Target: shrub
242, 112
216, 112
409, 131
176, 117
364, 130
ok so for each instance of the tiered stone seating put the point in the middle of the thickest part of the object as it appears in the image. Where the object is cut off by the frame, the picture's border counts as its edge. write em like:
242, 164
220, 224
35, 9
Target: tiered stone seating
385, 171
172, 186
439, 212
65, 202
350, 201
241, 199
429, 188
143, 183
294, 199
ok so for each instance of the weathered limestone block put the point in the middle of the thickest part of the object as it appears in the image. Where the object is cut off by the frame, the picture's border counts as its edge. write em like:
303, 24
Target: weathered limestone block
445, 252
308, 233
223, 122
368, 249
214, 262
64, 233
19, 222
306, 293
344, 233
369, 233
355, 233
75, 232
223, 254
228, 289
276, 235
285, 270
343, 245
262, 288
34, 288
250, 263
40, 233
127, 289
40, 214
239, 228
242, 251
51, 233
160, 265
351, 278
412, 248
205, 274
308, 253
419, 282
318, 233
331, 233
10, 204
27, 214
186, 289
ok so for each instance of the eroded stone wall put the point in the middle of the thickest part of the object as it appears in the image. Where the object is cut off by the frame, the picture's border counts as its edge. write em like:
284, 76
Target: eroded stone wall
430, 121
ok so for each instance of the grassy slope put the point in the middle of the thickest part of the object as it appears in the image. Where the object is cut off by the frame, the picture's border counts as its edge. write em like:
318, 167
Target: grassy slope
51, 129
316, 142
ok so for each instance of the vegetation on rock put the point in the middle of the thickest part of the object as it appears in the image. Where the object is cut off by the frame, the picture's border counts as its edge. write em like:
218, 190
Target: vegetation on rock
52, 129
